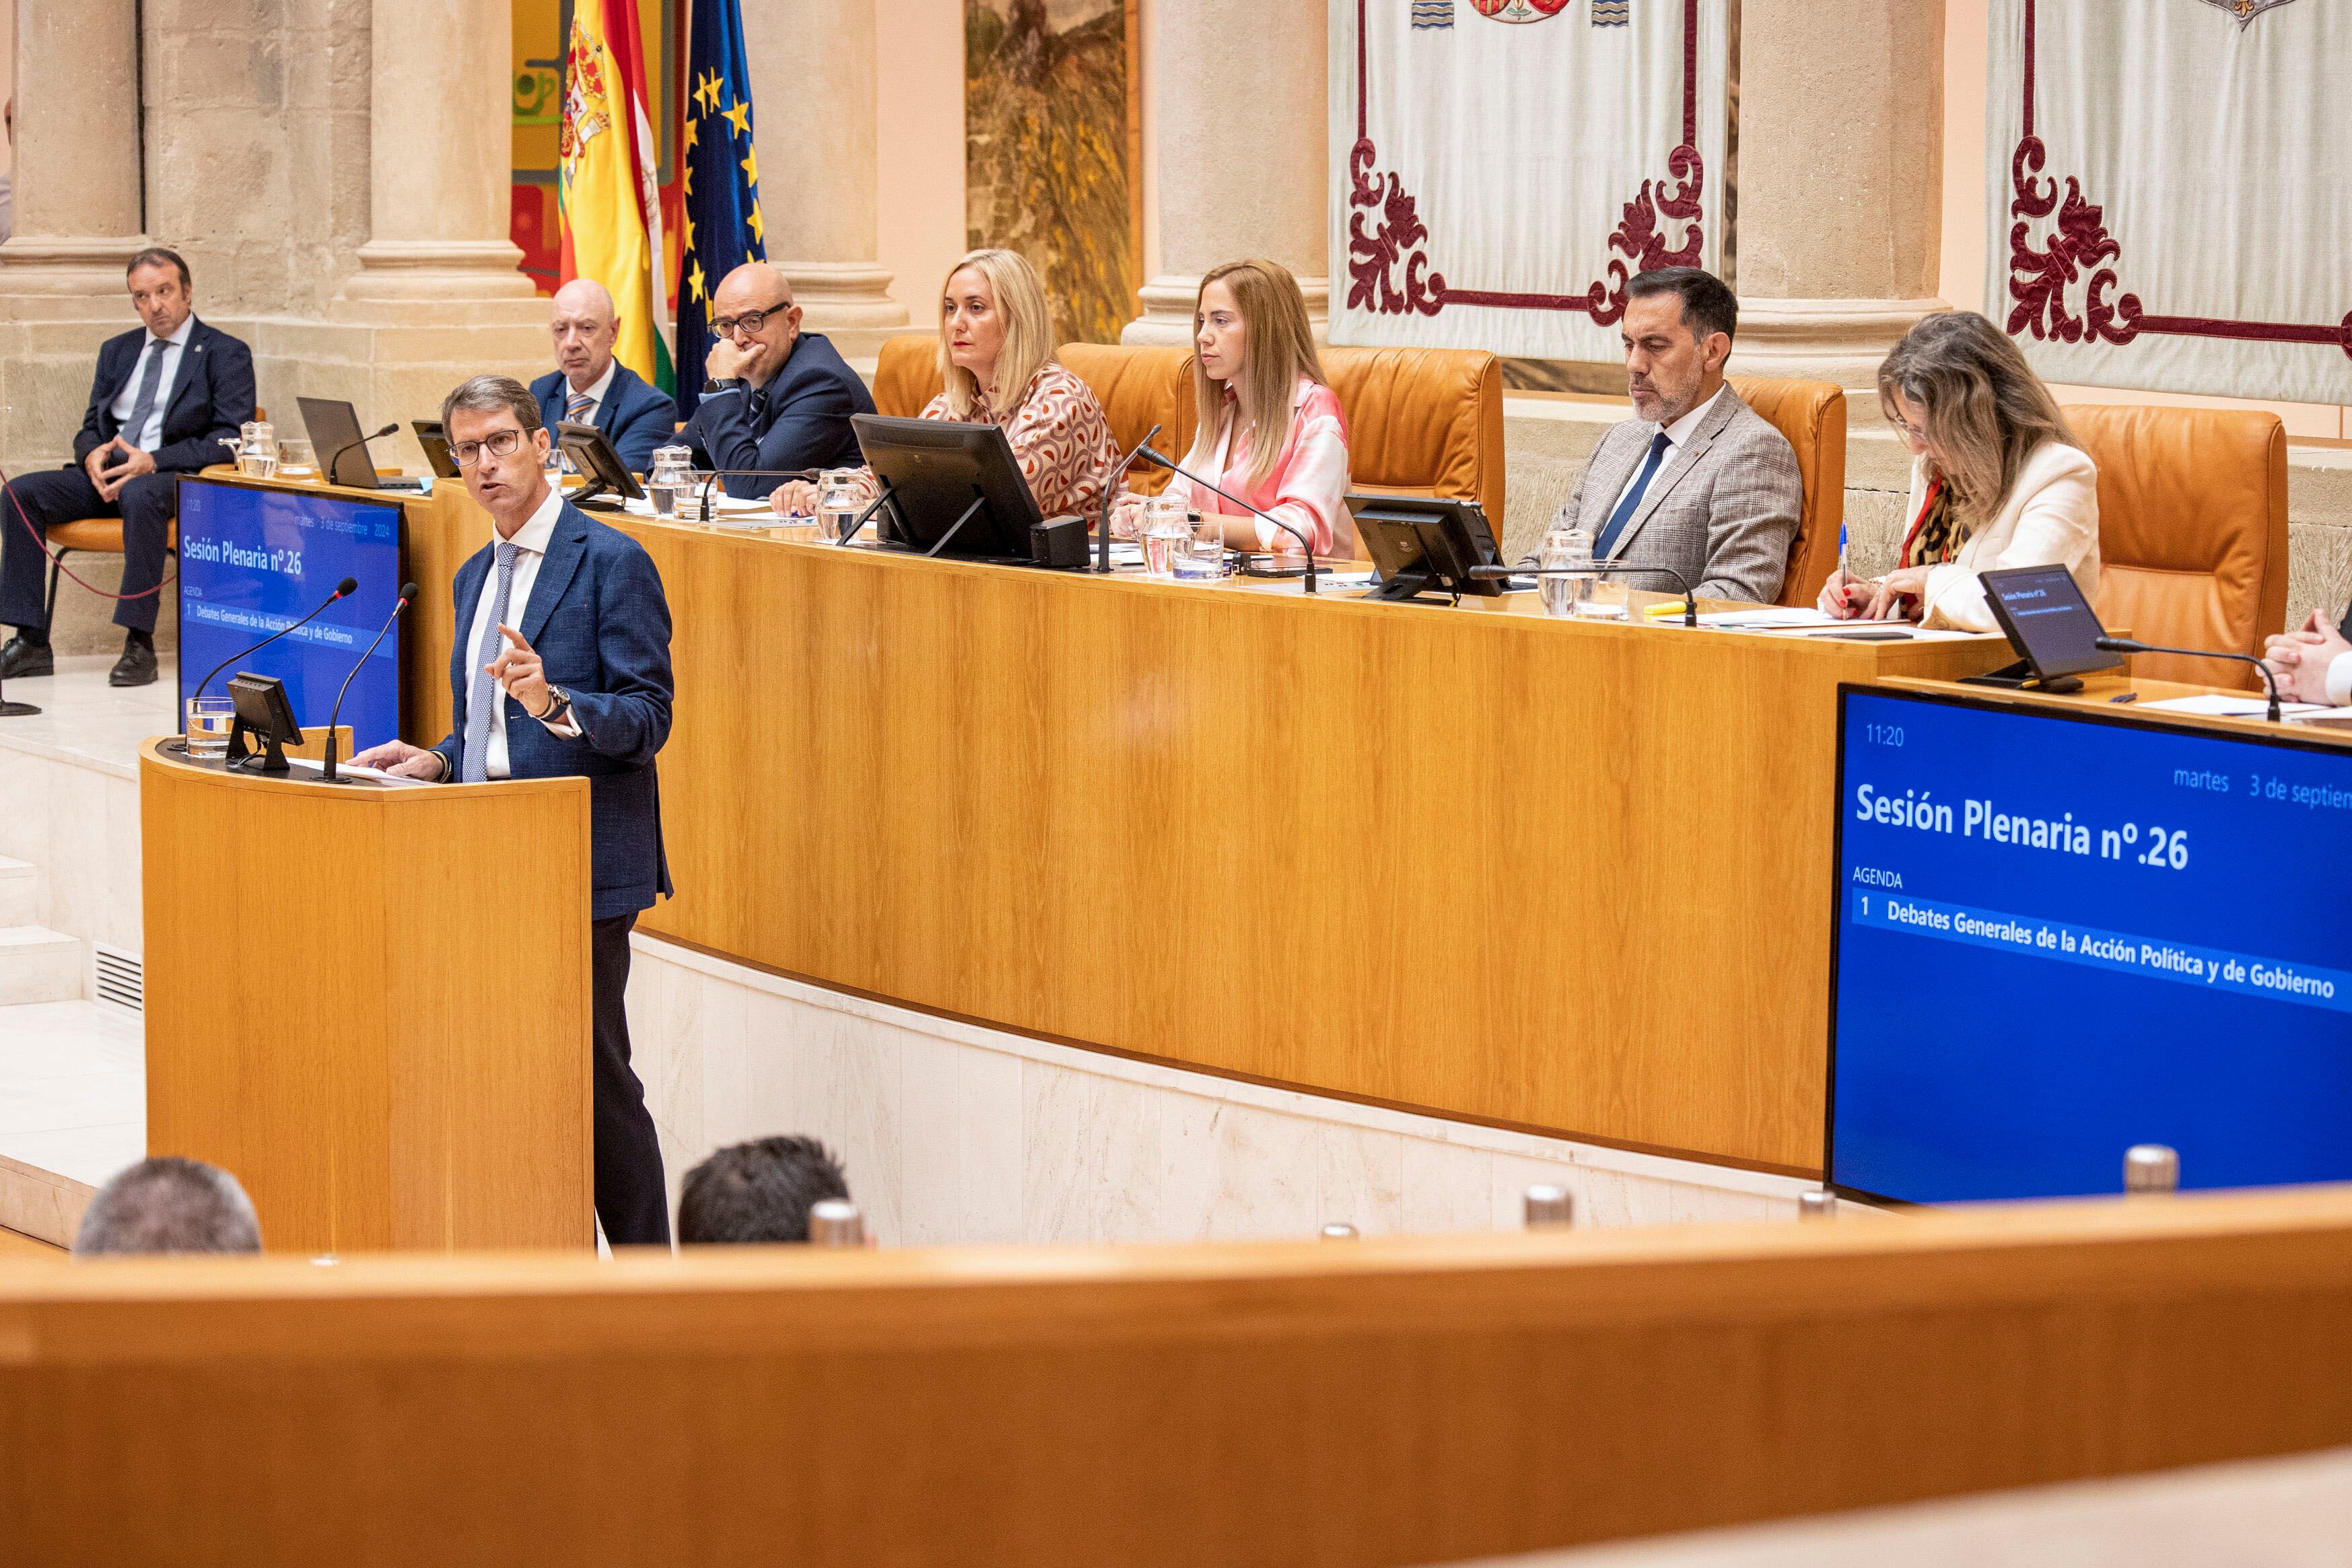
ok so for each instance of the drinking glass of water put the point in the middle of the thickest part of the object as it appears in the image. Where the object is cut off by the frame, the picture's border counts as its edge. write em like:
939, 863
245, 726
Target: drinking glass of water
1165, 530
209, 719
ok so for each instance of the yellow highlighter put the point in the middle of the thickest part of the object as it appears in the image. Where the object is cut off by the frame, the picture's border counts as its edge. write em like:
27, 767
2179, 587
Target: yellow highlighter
1674, 608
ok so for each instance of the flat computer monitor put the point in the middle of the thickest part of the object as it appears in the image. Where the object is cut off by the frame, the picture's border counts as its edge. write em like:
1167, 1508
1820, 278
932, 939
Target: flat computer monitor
333, 427
1426, 544
2062, 932
595, 458
953, 486
254, 561
434, 439
2053, 629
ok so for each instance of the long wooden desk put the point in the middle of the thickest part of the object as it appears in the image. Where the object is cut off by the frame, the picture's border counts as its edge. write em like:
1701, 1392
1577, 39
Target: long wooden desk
1565, 876
1411, 1400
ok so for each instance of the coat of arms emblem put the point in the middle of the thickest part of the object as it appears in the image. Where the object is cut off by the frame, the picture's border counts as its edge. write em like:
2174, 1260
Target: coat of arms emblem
2245, 11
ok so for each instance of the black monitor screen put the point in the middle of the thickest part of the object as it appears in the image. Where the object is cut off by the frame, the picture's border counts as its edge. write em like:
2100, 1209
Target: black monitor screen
2048, 619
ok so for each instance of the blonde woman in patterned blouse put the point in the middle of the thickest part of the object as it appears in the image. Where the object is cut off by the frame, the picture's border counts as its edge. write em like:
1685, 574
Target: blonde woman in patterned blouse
996, 356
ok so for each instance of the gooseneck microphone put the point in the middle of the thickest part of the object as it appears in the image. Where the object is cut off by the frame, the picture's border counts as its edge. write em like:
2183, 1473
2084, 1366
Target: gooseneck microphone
344, 588
2126, 645
1305, 548
1597, 568
408, 593
349, 446
1110, 494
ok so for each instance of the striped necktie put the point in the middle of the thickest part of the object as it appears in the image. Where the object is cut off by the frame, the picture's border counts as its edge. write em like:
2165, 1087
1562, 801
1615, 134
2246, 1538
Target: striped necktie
483, 695
579, 408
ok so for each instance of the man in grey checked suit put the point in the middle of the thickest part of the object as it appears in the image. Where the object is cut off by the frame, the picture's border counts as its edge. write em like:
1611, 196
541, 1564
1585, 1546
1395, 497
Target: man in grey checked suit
1697, 482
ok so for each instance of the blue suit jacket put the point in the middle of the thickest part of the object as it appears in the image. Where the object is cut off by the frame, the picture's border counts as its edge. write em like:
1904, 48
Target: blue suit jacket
635, 418
598, 618
211, 396
799, 420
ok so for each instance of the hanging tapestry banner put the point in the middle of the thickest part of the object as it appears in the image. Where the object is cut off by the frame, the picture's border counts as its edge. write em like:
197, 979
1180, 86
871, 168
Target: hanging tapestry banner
1501, 167
2170, 193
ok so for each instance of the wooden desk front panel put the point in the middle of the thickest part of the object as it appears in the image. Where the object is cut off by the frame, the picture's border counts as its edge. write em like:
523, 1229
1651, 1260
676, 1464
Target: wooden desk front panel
1399, 1400
372, 1006
1570, 877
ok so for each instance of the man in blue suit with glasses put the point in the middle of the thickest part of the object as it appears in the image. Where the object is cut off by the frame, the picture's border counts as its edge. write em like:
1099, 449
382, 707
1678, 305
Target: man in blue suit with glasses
562, 668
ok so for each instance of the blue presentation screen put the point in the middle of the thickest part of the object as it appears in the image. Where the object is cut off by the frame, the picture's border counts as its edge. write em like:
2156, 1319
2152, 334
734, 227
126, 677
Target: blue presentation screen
2057, 936
255, 562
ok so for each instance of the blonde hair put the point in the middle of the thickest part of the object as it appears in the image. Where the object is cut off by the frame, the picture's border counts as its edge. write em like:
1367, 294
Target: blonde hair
1982, 409
1020, 300
1277, 350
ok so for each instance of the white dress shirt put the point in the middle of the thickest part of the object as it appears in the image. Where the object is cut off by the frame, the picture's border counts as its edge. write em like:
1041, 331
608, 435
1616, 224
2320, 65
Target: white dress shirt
530, 548
177, 345
2339, 679
1677, 434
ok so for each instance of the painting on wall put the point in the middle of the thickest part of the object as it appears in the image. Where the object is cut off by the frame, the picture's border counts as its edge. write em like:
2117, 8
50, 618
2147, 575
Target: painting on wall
1051, 160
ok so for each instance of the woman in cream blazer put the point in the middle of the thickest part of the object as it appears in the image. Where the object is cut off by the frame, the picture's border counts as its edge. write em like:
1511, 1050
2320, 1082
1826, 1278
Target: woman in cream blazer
1996, 480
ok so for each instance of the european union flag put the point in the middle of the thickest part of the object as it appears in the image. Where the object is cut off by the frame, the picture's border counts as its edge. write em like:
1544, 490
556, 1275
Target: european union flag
721, 191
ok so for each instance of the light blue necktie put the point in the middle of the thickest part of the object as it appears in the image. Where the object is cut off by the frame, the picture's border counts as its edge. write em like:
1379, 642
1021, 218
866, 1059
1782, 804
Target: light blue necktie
1632, 501
134, 429
482, 697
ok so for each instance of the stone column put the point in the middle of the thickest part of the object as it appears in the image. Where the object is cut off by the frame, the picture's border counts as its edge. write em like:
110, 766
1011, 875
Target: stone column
811, 64
1238, 131
78, 165
1841, 185
439, 155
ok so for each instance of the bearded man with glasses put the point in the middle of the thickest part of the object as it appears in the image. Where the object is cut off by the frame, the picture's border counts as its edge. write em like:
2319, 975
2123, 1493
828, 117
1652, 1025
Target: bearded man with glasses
776, 398
561, 668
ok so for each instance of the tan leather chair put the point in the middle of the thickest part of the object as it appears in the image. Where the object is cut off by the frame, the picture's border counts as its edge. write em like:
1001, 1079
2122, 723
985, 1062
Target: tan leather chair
2192, 531
906, 375
1140, 387
1424, 422
1812, 414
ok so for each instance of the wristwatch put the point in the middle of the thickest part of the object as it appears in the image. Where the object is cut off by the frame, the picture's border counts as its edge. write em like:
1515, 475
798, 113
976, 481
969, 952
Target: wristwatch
559, 705
725, 384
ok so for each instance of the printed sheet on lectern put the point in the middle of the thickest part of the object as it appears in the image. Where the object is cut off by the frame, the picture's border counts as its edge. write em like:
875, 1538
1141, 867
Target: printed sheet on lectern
1504, 166
2169, 193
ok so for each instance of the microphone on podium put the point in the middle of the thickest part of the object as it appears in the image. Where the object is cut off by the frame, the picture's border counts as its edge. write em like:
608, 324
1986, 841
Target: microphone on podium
1305, 548
348, 446
343, 589
327, 772
2126, 645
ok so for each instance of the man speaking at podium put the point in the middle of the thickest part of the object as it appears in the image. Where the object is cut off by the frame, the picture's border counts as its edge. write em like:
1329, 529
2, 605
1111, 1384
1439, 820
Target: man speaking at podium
562, 668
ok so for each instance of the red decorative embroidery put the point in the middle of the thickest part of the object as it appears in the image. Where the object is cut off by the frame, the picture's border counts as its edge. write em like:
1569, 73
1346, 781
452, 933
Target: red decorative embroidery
1640, 239
2039, 279
1373, 257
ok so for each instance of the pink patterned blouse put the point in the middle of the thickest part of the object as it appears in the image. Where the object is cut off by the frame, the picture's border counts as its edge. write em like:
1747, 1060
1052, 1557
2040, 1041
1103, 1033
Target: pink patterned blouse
1059, 434
1308, 486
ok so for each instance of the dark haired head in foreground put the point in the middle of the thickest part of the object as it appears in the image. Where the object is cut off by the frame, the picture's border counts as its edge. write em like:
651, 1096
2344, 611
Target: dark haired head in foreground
758, 1191
169, 1205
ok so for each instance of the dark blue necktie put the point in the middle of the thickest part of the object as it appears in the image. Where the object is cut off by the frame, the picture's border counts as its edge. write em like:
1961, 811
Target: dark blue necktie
143, 407
1632, 501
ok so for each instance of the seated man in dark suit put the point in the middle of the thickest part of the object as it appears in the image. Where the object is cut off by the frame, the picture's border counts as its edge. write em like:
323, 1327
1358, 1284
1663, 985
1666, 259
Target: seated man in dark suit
560, 668
777, 398
163, 400
590, 387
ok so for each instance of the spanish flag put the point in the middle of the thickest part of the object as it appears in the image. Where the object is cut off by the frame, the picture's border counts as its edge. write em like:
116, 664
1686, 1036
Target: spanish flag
610, 210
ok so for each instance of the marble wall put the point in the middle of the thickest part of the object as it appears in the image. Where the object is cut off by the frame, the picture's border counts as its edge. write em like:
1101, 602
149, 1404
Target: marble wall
76, 819
956, 1132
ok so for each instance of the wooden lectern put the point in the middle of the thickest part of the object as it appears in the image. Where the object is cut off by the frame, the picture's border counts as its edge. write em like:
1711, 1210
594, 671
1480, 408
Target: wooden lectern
372, 1005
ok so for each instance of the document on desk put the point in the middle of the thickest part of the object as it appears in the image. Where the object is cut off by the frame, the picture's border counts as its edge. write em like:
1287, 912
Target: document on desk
1767, 619
352, 769
2217, 705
